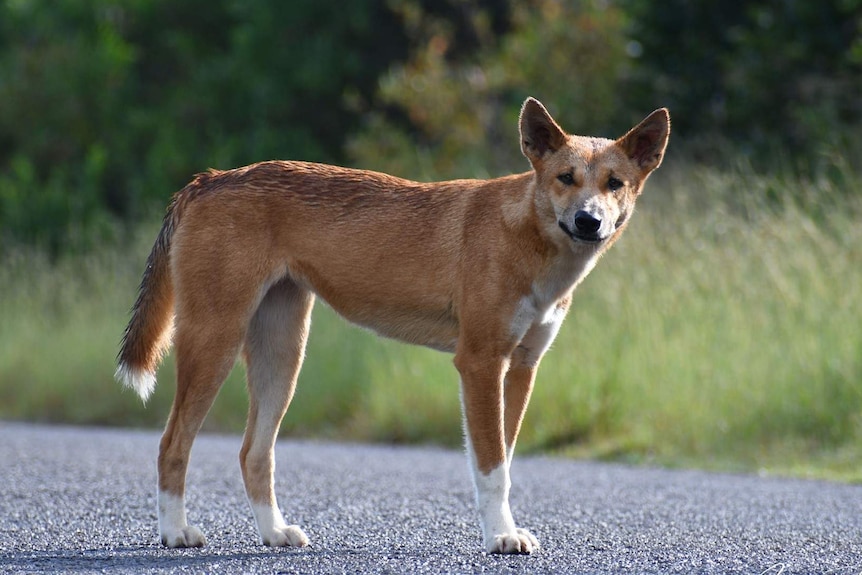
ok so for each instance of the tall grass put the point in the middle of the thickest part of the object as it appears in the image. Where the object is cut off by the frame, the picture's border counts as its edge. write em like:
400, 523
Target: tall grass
723, 330
726, 325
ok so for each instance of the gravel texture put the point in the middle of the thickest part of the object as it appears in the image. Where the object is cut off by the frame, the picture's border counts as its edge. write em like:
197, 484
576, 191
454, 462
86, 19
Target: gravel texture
82, 500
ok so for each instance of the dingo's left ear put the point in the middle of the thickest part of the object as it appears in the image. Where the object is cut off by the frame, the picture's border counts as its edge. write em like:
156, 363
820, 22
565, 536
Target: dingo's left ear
539, 132
646, 142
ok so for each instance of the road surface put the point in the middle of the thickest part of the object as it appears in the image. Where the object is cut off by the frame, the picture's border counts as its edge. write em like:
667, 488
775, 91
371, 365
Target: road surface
82, 500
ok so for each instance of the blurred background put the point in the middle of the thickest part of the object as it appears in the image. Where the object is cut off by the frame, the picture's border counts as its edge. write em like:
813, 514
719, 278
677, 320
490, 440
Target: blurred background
724, 331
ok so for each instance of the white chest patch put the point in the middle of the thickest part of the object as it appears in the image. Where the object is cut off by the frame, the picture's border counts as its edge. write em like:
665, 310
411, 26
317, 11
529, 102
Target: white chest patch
538, 315
528, 314
523, 318
536, 328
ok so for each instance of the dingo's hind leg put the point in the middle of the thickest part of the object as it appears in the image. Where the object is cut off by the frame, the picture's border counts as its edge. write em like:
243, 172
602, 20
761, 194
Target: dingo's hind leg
274, 350
205, 354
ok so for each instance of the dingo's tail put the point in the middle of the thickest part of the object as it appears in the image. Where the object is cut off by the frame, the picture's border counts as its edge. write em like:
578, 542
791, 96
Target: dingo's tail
148, 335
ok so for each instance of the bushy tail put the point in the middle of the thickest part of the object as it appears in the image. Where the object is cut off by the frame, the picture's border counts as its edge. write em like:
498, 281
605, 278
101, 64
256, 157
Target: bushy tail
148, 335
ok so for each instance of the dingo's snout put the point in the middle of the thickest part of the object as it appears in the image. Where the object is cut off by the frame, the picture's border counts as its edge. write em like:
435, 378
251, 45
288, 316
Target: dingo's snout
585, 227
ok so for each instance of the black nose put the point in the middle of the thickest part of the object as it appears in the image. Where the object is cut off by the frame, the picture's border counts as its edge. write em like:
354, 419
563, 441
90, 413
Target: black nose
585, 223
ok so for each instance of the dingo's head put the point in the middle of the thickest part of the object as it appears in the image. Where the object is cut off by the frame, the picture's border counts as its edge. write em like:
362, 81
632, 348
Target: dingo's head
591, 183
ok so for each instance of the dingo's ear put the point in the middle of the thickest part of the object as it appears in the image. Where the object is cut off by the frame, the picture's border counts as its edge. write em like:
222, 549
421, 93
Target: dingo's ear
646, 142
539, 132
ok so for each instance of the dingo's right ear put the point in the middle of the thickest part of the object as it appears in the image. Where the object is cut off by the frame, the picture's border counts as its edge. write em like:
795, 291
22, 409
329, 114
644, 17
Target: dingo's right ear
539, 132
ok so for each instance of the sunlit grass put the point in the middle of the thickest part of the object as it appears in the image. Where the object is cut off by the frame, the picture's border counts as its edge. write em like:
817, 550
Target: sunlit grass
723, 331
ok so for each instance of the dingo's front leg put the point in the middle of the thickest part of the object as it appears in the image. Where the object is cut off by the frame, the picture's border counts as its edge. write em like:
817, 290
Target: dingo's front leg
482, 399
518, 387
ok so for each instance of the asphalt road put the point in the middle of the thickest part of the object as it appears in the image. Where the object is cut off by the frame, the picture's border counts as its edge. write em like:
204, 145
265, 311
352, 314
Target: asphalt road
79, 500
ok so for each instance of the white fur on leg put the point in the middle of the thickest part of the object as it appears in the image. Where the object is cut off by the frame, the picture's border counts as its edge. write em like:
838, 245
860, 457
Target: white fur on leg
273, 530
173, 528
492, 496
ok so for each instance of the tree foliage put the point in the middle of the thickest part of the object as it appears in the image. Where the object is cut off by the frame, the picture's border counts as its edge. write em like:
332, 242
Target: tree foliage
108, 106
461, 106
762, 72
769, 79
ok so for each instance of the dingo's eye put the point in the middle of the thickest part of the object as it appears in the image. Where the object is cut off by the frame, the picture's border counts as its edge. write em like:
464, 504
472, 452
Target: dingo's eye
567, 179
614, 184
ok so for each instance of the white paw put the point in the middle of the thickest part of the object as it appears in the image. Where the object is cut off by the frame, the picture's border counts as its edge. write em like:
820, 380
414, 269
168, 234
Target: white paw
188, 536
522, 541
287, 536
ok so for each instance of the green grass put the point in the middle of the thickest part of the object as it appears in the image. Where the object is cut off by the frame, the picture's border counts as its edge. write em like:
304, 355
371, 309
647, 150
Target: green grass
723, 331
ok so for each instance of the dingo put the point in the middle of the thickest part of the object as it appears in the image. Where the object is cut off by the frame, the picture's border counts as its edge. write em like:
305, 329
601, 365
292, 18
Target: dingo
481, 268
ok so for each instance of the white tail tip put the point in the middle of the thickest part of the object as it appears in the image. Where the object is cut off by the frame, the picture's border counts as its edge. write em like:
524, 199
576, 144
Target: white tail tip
143, 382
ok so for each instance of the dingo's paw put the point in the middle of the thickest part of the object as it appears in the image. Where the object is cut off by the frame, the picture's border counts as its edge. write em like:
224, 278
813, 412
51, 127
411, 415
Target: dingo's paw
522, 542
188, 536
287, 536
